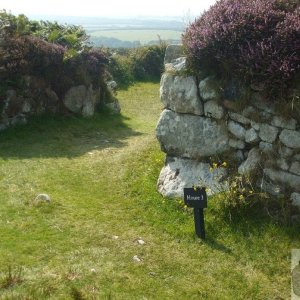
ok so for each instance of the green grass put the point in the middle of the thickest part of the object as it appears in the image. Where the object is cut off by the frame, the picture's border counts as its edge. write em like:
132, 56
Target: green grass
101, 174
142, 35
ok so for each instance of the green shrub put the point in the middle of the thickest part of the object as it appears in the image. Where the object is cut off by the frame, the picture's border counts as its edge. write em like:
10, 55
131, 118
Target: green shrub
56, 53
120, 69
138, 64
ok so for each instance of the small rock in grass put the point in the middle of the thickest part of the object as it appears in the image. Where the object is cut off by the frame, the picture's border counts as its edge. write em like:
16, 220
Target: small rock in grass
136, 259
43, 198
140, 242
93, 270
115, 237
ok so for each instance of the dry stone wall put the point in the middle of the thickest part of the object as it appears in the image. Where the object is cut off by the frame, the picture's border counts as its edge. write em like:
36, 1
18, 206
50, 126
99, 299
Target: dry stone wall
202, 120
37, 98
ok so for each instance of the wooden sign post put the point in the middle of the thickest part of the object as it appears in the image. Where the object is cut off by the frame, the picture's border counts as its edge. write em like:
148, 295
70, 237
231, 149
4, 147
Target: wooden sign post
197, 199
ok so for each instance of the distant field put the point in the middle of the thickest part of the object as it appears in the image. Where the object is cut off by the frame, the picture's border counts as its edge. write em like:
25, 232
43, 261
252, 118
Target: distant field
143, 35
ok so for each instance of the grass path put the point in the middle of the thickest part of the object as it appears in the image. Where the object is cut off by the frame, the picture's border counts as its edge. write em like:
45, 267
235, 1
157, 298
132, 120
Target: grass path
101, 174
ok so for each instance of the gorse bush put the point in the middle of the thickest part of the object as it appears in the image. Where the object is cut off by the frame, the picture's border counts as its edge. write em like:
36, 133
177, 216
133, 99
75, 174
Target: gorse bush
257, 40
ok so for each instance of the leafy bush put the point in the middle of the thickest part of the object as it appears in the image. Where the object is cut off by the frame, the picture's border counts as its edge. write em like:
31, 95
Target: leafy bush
258, 41
139, 64
56, 53
68, 36
147, 62
120, 69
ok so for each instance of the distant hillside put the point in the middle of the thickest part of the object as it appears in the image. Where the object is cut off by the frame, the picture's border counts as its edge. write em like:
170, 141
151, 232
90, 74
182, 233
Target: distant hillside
126, 32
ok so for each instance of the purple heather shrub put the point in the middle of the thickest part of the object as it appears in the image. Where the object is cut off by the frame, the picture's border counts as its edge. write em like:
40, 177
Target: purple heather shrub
28, 54
256, 40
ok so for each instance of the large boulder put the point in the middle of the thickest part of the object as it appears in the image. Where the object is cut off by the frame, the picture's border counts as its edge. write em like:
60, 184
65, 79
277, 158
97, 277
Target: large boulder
180, 173
74, 98
80, 99
191, 136
179, 94
89, 102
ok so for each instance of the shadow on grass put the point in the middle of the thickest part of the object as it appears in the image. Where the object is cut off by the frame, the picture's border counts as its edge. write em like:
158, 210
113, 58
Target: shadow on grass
58, 136
217, 245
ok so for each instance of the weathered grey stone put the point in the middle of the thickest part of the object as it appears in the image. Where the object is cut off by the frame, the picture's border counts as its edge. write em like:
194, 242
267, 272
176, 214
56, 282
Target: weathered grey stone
251, 136
237, 130
282, 164
295, 168
43, 197
296, 157
284, 178
180, 173
177, 65
18, 120
112, 86
249, 111
179, 94
213, 110
173, 52
268, 133
255, 125
190, 136
290, 138
251, 163
285, 152
266, 185
26, 108
239, 118
295, 198
208, 89
266, 147
74, 98
88, 104
238, 156
279, 121
238, 144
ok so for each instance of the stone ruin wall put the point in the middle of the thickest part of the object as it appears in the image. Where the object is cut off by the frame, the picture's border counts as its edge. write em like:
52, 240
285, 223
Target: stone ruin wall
200, 123
37, 98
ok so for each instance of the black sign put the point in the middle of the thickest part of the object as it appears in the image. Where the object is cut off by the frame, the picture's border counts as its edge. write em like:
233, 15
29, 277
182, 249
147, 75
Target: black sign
195, 197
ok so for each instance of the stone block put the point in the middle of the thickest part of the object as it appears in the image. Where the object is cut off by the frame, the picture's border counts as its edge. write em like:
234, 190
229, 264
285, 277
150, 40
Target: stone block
191, 136
251, 163
180, 173
213, 110
237, 130
268, 133
290, 138
179, 93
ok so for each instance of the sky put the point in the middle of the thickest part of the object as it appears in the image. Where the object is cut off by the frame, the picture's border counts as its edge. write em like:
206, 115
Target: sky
107, 8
